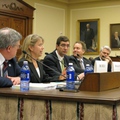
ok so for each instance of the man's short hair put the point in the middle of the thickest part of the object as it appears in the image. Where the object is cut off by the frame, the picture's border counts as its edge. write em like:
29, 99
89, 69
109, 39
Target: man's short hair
61, 39
105, 47
82, 43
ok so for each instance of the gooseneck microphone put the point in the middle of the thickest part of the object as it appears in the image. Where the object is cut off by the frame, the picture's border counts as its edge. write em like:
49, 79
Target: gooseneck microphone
57, 59
78, 55
43, 64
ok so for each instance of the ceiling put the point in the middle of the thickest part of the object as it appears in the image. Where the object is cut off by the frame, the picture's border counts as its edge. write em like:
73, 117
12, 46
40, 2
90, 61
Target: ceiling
82, 1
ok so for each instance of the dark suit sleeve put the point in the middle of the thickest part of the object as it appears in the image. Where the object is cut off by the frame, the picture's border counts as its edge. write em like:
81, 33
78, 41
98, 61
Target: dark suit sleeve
20, 63
5, 82
52, 63
47, 78
13, 69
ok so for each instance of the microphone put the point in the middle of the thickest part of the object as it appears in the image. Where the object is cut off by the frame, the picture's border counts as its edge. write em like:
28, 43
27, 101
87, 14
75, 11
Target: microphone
57, 59
43, 63
78, 55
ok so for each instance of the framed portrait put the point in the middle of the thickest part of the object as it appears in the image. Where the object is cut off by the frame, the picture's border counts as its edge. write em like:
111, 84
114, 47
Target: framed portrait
115, 36
88, 32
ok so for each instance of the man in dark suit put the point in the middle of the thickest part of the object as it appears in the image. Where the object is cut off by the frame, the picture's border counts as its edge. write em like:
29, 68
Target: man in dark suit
59, 54
54, 58
104, 56
79, 62
9, 44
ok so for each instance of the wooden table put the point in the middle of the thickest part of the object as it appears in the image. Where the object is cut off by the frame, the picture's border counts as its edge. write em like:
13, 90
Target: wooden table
56, 105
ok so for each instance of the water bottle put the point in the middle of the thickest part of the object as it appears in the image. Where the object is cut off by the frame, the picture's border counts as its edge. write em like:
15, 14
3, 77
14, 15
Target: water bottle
88, 69
70, 82
25, 77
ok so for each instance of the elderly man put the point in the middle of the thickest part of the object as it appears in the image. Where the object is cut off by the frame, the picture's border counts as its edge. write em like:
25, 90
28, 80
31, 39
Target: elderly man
9, 69
104, 56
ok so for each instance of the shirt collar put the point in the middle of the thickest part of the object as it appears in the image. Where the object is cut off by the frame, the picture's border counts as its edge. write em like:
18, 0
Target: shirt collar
100, 59
80, 59
59, 57
2, 59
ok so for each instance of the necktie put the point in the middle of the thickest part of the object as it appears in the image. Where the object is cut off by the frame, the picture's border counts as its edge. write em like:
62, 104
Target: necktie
62, 64
82, 64
5, 65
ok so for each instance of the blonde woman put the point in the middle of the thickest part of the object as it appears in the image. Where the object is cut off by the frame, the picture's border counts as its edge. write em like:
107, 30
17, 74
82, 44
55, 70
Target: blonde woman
33, 45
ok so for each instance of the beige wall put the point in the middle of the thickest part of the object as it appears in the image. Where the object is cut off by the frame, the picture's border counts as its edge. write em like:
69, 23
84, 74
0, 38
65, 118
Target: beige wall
107, 16
52, 19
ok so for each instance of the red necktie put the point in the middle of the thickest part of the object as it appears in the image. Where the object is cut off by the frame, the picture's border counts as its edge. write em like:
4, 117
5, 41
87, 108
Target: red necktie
5, 65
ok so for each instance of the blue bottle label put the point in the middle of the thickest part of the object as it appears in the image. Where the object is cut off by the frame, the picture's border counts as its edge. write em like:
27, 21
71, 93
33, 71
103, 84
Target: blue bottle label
70, 83
25, 75
88, 69
24, 86
70, 76
25, 79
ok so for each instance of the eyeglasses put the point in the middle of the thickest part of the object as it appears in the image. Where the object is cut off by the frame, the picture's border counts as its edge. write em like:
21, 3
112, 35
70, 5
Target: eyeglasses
64, 45
105, 53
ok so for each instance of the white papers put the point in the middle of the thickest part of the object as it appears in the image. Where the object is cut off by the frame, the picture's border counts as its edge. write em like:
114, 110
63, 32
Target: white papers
115, 67
41, 86
100, 66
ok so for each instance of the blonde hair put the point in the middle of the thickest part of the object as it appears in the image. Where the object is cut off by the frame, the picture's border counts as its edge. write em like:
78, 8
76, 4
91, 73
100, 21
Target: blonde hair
30, 40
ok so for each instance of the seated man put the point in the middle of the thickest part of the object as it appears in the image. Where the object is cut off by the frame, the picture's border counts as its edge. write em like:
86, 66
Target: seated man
79, 62
104, 56
9, 69
59, 54
58, 60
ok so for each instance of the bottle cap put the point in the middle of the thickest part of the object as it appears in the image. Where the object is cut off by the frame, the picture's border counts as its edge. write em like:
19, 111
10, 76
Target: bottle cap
70, 63
25, 62
87, 65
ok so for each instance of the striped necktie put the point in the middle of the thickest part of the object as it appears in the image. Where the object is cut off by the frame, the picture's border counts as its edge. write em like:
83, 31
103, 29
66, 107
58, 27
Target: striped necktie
5, 65
82, 64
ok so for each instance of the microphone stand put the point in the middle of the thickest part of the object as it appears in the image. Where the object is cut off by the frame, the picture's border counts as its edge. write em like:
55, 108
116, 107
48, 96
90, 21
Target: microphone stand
43, 64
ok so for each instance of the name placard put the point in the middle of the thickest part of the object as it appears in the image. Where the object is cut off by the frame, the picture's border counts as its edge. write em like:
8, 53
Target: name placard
100, 66
115, 67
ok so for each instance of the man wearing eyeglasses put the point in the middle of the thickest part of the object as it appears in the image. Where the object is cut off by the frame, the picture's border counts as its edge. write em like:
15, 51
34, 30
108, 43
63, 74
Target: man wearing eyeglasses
58, 60
104, 56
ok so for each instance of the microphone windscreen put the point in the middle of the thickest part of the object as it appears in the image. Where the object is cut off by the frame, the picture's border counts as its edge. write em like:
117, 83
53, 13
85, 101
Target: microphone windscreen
46, 53
78, 55
24, 52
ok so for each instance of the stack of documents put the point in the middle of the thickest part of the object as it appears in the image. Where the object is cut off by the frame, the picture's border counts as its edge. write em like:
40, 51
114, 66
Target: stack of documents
42, 86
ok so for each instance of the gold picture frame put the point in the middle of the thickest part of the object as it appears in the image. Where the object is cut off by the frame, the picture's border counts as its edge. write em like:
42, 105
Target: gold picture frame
89, 36
115, 36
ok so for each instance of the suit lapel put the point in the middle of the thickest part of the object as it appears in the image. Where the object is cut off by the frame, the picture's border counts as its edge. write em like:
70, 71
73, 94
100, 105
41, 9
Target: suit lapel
34, 72
57, 61
41, 71
77, 61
